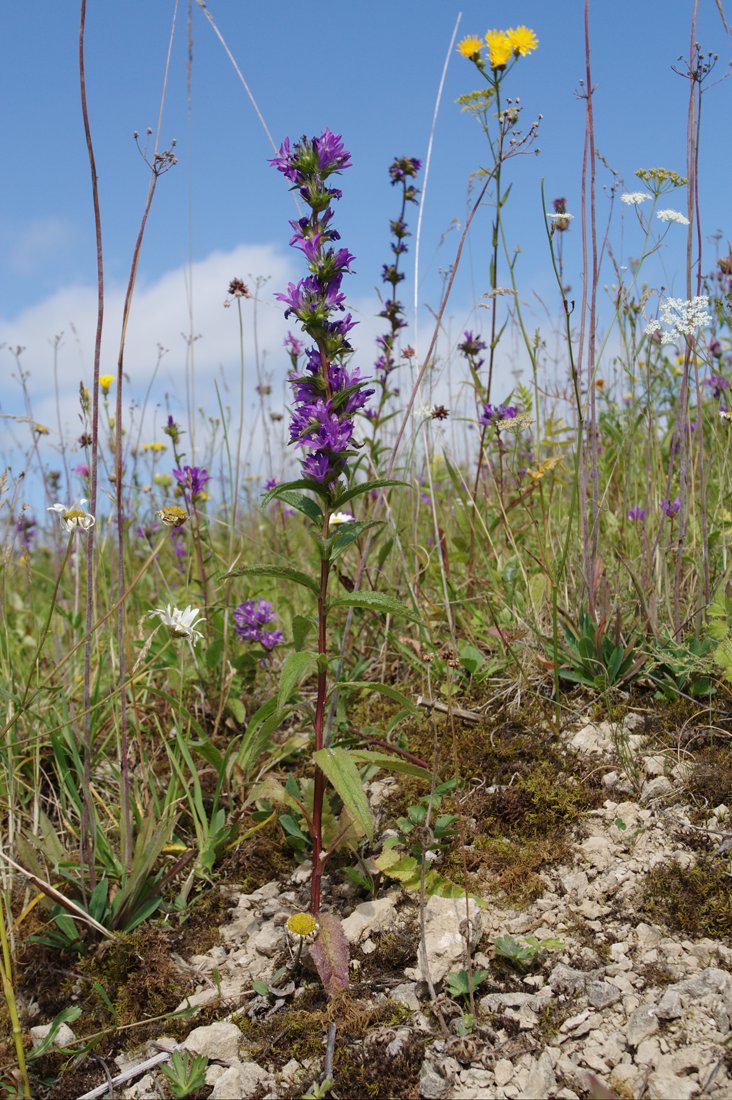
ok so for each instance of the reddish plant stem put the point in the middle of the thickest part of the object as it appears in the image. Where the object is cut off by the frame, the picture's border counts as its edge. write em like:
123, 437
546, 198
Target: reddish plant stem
589, 475
319, 785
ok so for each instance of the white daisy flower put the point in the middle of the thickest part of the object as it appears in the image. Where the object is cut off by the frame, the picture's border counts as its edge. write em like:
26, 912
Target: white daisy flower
560, 217
74, 517
340, 517
635, 198
181, 624
672, 216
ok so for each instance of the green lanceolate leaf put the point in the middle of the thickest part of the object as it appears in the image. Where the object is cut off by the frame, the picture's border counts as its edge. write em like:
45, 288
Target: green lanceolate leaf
383, 689
303, 504
278, 571
365, 487
302, 625
330, 953
341, 772
390, 763
375, 601
297, 667
288, 486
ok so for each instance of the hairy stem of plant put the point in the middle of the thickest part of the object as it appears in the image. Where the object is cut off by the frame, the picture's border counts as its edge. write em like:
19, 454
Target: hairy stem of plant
319, 783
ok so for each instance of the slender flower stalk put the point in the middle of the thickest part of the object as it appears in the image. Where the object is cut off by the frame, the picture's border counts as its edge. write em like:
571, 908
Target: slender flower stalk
328, 394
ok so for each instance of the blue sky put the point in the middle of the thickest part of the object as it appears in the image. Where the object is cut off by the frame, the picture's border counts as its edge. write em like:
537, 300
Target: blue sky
367, 70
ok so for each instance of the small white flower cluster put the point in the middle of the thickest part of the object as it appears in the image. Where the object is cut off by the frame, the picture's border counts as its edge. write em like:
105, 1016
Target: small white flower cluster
672, 216
558, 218
338, 518
681, 318
635, 198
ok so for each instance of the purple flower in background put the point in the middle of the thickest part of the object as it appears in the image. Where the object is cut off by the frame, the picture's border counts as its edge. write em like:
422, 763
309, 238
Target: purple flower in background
671, 507
403, 168
25, 526
250, 619
82, 470
193, 479
172, 430
717, 384
636, 513
327, 395
494, 414
472, 345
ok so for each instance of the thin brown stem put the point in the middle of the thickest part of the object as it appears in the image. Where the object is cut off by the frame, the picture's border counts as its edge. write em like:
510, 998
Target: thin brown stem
87, 833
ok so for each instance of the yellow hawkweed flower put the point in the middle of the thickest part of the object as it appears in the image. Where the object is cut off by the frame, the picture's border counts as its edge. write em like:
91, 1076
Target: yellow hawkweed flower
522, 40
470, 46
156, 448
303, 925
40, 429
163, 480
105, 381
500, 49
172, 515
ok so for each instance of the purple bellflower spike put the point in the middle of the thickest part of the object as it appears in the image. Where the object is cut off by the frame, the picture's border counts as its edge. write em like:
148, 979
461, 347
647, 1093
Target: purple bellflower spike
327, 395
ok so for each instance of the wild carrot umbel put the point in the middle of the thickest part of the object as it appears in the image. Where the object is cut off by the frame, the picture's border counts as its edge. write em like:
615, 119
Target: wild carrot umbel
327, 396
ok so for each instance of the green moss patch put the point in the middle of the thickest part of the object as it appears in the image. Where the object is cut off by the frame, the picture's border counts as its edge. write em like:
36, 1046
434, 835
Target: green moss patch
694, 900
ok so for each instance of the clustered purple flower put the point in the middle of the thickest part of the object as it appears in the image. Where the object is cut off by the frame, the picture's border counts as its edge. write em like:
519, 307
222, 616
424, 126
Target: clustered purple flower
327, 395
250, 620
193, 480
494, 414
671, 507
636, 513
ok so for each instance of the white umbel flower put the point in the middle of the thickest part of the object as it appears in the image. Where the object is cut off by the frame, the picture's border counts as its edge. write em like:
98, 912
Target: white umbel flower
340, 517
635, 198
181, 624
682, 318
672, 216
74, 517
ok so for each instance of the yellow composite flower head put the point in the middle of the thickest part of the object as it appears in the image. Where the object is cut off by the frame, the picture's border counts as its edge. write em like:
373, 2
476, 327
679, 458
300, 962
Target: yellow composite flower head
500, 49
523, 40
470, 46
303, 925
156, 448
105, 381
